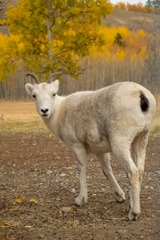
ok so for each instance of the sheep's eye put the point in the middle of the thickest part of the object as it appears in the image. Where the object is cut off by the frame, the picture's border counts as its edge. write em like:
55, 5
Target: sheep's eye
54, 94
34, 96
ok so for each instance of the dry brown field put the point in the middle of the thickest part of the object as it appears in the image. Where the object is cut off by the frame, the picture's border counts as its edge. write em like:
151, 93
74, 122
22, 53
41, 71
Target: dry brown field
18, 111
39, 181
24, 112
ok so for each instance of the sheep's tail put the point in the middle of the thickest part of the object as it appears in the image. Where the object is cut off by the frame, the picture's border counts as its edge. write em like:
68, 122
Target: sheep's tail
144, 102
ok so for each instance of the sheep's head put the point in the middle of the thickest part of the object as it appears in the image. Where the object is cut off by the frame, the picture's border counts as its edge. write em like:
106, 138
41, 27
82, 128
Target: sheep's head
44, 95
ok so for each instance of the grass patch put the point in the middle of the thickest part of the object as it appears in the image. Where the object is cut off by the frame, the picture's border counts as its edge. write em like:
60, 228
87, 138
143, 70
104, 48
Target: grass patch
22, 126
22, 117
38, 127
155, 130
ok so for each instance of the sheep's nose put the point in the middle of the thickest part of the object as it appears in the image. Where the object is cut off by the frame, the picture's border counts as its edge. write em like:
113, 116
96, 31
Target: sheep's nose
44, 110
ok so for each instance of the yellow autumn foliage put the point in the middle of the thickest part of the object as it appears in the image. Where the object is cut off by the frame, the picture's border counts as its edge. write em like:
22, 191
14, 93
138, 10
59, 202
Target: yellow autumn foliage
118, 43
9, 54
133, 44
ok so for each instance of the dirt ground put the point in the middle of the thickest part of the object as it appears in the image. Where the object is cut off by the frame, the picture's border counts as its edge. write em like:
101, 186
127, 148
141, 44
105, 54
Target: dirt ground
38, 184
39, 181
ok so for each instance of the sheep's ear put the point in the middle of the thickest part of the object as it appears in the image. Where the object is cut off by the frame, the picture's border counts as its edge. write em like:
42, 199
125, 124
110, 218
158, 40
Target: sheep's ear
56, 85
29, 88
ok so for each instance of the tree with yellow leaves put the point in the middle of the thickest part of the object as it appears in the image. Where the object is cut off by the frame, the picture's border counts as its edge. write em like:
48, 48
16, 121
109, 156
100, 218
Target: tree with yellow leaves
9, 51
54, 34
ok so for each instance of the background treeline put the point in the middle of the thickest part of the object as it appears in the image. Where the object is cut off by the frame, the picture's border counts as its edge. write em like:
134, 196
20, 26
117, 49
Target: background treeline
115, 52
151, 6
99, 72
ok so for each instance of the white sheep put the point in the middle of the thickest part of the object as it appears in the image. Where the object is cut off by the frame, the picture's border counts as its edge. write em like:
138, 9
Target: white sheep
112, 119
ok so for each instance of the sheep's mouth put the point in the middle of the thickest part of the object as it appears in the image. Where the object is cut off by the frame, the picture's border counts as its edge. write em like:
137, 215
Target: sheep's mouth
45, 115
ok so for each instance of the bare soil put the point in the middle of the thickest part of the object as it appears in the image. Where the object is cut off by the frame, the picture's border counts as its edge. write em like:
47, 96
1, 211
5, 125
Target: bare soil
38, 184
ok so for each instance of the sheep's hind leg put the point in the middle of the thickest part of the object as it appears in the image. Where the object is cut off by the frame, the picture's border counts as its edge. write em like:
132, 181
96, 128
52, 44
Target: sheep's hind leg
107, 170
81, 155
121, 150
138, 153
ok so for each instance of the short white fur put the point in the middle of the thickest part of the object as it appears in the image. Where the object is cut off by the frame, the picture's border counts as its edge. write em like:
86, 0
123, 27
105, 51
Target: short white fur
102, 121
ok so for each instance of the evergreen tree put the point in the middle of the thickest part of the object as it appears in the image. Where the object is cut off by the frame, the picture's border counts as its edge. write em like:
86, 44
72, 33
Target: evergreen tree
119, 40
149, 3
156, 5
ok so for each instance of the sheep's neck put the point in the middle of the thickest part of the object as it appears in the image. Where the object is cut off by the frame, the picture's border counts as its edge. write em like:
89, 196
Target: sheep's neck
52, 123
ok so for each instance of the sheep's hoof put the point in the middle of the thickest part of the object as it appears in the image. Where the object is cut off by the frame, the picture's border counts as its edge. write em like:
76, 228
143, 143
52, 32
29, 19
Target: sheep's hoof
79, 201
120, 198
133, 216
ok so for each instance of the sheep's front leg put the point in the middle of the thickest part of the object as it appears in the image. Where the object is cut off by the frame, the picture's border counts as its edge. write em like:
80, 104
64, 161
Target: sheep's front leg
81, 155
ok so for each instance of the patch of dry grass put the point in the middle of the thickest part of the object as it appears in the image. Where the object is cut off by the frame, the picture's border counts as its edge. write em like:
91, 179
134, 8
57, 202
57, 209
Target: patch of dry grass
22, 126
18, 111
155, 129
20, 116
